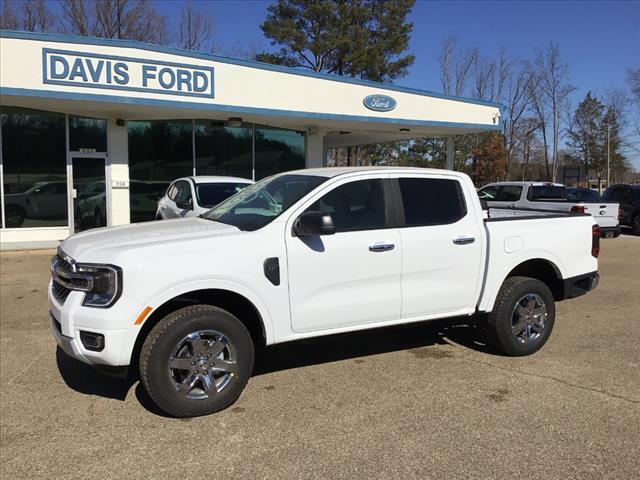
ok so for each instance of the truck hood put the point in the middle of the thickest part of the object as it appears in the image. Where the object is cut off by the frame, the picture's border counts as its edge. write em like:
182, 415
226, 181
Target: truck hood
127, 237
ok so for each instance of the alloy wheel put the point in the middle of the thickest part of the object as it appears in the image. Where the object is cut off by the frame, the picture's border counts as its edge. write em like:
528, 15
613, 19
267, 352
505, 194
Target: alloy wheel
528, 319
202, 364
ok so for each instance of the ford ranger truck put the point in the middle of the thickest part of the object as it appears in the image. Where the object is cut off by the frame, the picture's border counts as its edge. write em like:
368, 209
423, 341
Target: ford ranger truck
304, 254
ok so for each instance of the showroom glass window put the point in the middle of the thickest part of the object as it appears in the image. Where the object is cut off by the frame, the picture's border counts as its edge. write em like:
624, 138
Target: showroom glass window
34, 166
159, 152
223, 150
278, 151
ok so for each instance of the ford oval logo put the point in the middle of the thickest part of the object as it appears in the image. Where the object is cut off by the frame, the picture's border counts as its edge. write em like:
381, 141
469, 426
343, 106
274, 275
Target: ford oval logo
379, 103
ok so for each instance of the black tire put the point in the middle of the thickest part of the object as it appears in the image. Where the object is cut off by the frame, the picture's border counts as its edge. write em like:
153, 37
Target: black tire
504, 320
14, 216
635, 224
160, 380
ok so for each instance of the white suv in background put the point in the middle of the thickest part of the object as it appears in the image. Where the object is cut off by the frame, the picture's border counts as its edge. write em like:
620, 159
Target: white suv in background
193, 196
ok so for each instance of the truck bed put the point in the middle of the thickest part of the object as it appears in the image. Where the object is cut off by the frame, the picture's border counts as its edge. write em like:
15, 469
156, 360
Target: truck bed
562, 239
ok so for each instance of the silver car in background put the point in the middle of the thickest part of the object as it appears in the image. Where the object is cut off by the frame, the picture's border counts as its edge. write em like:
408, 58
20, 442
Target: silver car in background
192, 196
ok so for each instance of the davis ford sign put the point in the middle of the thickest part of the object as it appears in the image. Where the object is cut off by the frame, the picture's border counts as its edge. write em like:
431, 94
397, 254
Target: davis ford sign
64, 67
379, 103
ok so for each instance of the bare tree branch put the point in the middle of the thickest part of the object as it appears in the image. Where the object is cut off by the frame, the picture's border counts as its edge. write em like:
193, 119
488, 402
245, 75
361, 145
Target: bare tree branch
195, 30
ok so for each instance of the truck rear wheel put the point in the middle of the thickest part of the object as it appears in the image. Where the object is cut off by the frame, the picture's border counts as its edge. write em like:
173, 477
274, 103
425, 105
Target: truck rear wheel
522, 318
196, 361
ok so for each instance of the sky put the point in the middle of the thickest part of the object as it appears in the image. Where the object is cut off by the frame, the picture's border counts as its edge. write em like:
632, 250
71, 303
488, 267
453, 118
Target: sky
600, 40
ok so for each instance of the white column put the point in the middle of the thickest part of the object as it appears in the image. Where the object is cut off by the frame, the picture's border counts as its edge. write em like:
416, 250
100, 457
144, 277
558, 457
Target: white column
118, 183
315, 149
450, 153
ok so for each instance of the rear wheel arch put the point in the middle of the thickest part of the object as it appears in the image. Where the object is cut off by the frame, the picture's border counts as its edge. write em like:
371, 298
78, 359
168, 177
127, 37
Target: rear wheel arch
541, 269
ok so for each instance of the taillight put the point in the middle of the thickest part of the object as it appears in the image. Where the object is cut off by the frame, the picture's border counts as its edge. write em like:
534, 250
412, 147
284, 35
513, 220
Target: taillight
577, 209
595, 241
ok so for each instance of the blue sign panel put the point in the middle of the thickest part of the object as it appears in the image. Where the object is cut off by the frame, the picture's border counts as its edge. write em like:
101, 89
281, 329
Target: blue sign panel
65, 67
379, 103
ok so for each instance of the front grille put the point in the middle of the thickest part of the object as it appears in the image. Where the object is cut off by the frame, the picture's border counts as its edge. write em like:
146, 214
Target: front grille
60, 292
61, 278
63, 264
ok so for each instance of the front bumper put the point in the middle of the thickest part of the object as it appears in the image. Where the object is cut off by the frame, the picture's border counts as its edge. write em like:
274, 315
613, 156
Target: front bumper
610, 232
581, 284
67, 344
68, 321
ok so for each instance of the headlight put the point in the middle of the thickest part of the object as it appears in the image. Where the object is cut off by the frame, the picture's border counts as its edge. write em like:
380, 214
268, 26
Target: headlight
102, 284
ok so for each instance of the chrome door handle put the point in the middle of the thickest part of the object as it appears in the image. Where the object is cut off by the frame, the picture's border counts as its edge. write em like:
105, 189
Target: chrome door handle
381, 247
463, 240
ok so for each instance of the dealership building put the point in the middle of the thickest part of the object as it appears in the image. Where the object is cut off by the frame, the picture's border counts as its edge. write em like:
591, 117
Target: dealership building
93, 130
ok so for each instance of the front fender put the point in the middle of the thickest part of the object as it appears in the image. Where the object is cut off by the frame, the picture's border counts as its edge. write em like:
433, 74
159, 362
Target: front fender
197, 284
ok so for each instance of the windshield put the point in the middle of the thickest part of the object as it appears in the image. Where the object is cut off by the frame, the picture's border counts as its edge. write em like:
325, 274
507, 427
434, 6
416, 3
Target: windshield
257, 205
211, 194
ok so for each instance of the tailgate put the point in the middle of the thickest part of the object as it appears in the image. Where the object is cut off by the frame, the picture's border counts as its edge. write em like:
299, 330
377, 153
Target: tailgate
605, 214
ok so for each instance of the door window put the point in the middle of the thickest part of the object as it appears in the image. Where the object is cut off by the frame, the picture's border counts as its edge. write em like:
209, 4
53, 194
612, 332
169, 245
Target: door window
358, 205
183, 192
172, 192
489, 193
431, 201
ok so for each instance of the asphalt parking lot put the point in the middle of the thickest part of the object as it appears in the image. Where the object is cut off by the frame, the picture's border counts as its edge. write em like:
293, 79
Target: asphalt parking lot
421, 401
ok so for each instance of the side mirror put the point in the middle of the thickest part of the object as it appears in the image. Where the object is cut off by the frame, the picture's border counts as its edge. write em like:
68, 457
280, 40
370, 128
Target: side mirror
188, 205
314, 223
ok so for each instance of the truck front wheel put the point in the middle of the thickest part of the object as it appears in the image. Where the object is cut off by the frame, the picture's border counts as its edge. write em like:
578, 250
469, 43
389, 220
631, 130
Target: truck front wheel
522, 318
196, 361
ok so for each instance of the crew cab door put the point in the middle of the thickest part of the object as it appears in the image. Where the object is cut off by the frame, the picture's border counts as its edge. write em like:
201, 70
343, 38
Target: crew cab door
353, 276
442, 247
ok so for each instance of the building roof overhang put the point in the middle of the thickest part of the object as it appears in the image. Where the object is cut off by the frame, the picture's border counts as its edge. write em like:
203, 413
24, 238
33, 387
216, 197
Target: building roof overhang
77, 75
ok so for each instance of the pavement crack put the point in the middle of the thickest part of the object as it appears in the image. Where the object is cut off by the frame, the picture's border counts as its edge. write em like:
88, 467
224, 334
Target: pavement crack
547, 377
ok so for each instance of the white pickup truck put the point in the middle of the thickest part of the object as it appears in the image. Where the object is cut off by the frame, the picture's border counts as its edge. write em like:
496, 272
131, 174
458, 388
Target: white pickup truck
541, 196
304, 254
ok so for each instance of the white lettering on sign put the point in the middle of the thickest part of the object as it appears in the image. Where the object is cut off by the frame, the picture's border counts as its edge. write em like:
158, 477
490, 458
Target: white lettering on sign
64, 67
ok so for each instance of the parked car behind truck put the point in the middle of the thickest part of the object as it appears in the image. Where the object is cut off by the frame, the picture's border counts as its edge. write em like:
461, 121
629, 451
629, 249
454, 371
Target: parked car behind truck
628, 196
550, 196
304, 254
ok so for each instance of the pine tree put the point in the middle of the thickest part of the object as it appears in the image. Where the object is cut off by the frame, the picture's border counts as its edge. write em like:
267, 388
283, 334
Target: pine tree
358, 38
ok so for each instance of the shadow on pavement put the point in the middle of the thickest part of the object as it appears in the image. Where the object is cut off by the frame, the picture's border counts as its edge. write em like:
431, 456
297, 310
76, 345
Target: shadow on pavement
84, 379
333, 348
300, 353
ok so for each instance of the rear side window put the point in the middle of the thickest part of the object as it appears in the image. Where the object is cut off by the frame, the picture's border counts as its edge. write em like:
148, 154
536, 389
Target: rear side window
431, 201
510, 193
546, 192
358, 205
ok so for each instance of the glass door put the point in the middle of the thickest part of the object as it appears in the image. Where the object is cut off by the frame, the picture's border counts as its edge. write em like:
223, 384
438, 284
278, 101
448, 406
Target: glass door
89, 192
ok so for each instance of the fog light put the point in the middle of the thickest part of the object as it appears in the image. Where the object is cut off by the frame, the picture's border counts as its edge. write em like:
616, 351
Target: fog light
92, 341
